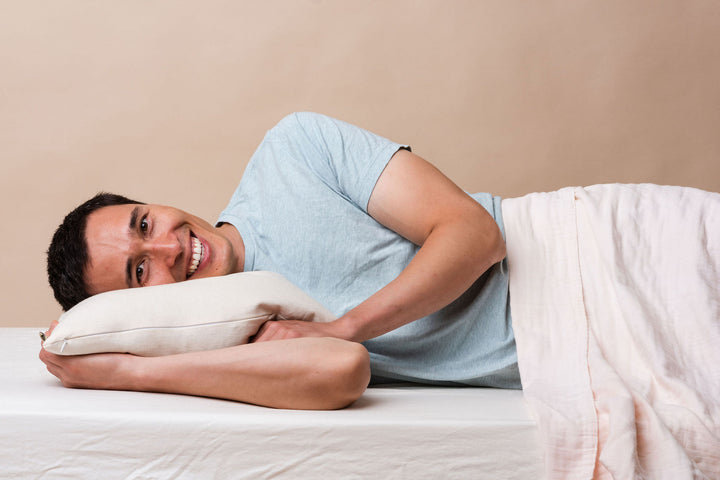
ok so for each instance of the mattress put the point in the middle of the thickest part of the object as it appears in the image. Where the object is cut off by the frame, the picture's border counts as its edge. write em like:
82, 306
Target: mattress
403, 431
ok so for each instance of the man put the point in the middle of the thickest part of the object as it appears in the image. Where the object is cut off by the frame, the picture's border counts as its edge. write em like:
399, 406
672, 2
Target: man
407, 261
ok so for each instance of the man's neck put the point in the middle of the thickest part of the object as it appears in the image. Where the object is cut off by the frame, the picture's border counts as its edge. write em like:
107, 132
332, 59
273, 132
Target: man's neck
230, 232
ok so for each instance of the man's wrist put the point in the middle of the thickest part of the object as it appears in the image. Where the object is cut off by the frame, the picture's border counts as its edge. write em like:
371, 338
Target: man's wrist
134, 375
345, 328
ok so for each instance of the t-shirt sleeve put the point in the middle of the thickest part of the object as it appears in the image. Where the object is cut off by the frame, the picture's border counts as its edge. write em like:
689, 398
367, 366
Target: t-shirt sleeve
346, 158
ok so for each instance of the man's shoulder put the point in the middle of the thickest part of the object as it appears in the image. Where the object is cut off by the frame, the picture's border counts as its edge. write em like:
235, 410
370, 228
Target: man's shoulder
299, 121
305, 132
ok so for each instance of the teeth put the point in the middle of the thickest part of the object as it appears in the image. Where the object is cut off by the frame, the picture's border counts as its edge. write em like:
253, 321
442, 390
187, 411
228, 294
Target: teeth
196, 256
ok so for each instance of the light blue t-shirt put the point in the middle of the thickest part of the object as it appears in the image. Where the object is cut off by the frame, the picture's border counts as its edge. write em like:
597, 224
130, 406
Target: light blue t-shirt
301, 209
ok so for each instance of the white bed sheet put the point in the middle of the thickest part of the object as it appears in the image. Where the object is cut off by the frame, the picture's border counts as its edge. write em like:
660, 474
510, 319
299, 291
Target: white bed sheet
50, 432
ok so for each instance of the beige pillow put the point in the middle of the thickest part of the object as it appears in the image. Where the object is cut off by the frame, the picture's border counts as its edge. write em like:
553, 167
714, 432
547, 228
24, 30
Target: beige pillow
201, 314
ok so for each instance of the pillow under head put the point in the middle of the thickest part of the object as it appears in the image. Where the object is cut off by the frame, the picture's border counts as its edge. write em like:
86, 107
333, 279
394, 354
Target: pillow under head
203, 314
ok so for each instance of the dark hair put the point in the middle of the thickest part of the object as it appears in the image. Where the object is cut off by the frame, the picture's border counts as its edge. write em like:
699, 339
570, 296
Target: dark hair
67, 256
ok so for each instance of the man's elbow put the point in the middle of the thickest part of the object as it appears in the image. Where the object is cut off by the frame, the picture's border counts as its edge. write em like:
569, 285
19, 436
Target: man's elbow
494, 245
500, 247
350, 374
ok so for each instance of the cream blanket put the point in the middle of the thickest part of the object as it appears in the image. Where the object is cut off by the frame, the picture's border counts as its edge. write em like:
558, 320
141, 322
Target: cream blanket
615, 298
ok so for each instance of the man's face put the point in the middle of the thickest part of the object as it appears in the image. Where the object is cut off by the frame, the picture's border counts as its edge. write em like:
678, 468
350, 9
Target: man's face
140, 245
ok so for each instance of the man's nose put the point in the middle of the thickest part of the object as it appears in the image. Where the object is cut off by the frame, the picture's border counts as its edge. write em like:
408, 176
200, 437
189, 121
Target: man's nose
165, 250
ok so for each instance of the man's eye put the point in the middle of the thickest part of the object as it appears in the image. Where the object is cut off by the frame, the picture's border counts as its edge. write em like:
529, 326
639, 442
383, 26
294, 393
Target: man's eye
144, 225
139, 271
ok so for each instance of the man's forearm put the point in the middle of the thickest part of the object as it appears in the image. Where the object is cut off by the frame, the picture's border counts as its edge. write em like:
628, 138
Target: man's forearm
305, 373
452, 258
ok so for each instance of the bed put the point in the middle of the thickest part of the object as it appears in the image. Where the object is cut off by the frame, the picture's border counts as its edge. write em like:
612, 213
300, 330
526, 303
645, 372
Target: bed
50, 432
615, 299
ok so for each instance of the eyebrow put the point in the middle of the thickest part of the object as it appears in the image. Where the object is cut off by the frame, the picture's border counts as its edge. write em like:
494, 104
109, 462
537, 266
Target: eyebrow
131, 228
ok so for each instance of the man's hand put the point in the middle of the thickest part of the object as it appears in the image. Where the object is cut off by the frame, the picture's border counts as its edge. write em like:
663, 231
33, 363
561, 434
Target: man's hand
284, 329
99, 371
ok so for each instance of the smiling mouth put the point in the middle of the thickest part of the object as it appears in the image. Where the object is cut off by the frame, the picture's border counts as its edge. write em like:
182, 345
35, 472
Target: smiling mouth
197, 255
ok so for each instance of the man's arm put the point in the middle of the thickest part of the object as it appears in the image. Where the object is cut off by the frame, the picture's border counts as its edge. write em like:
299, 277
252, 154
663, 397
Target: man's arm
304, 373
459, 241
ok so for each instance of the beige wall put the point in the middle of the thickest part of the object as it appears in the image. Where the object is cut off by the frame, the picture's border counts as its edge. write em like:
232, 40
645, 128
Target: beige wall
166, 100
